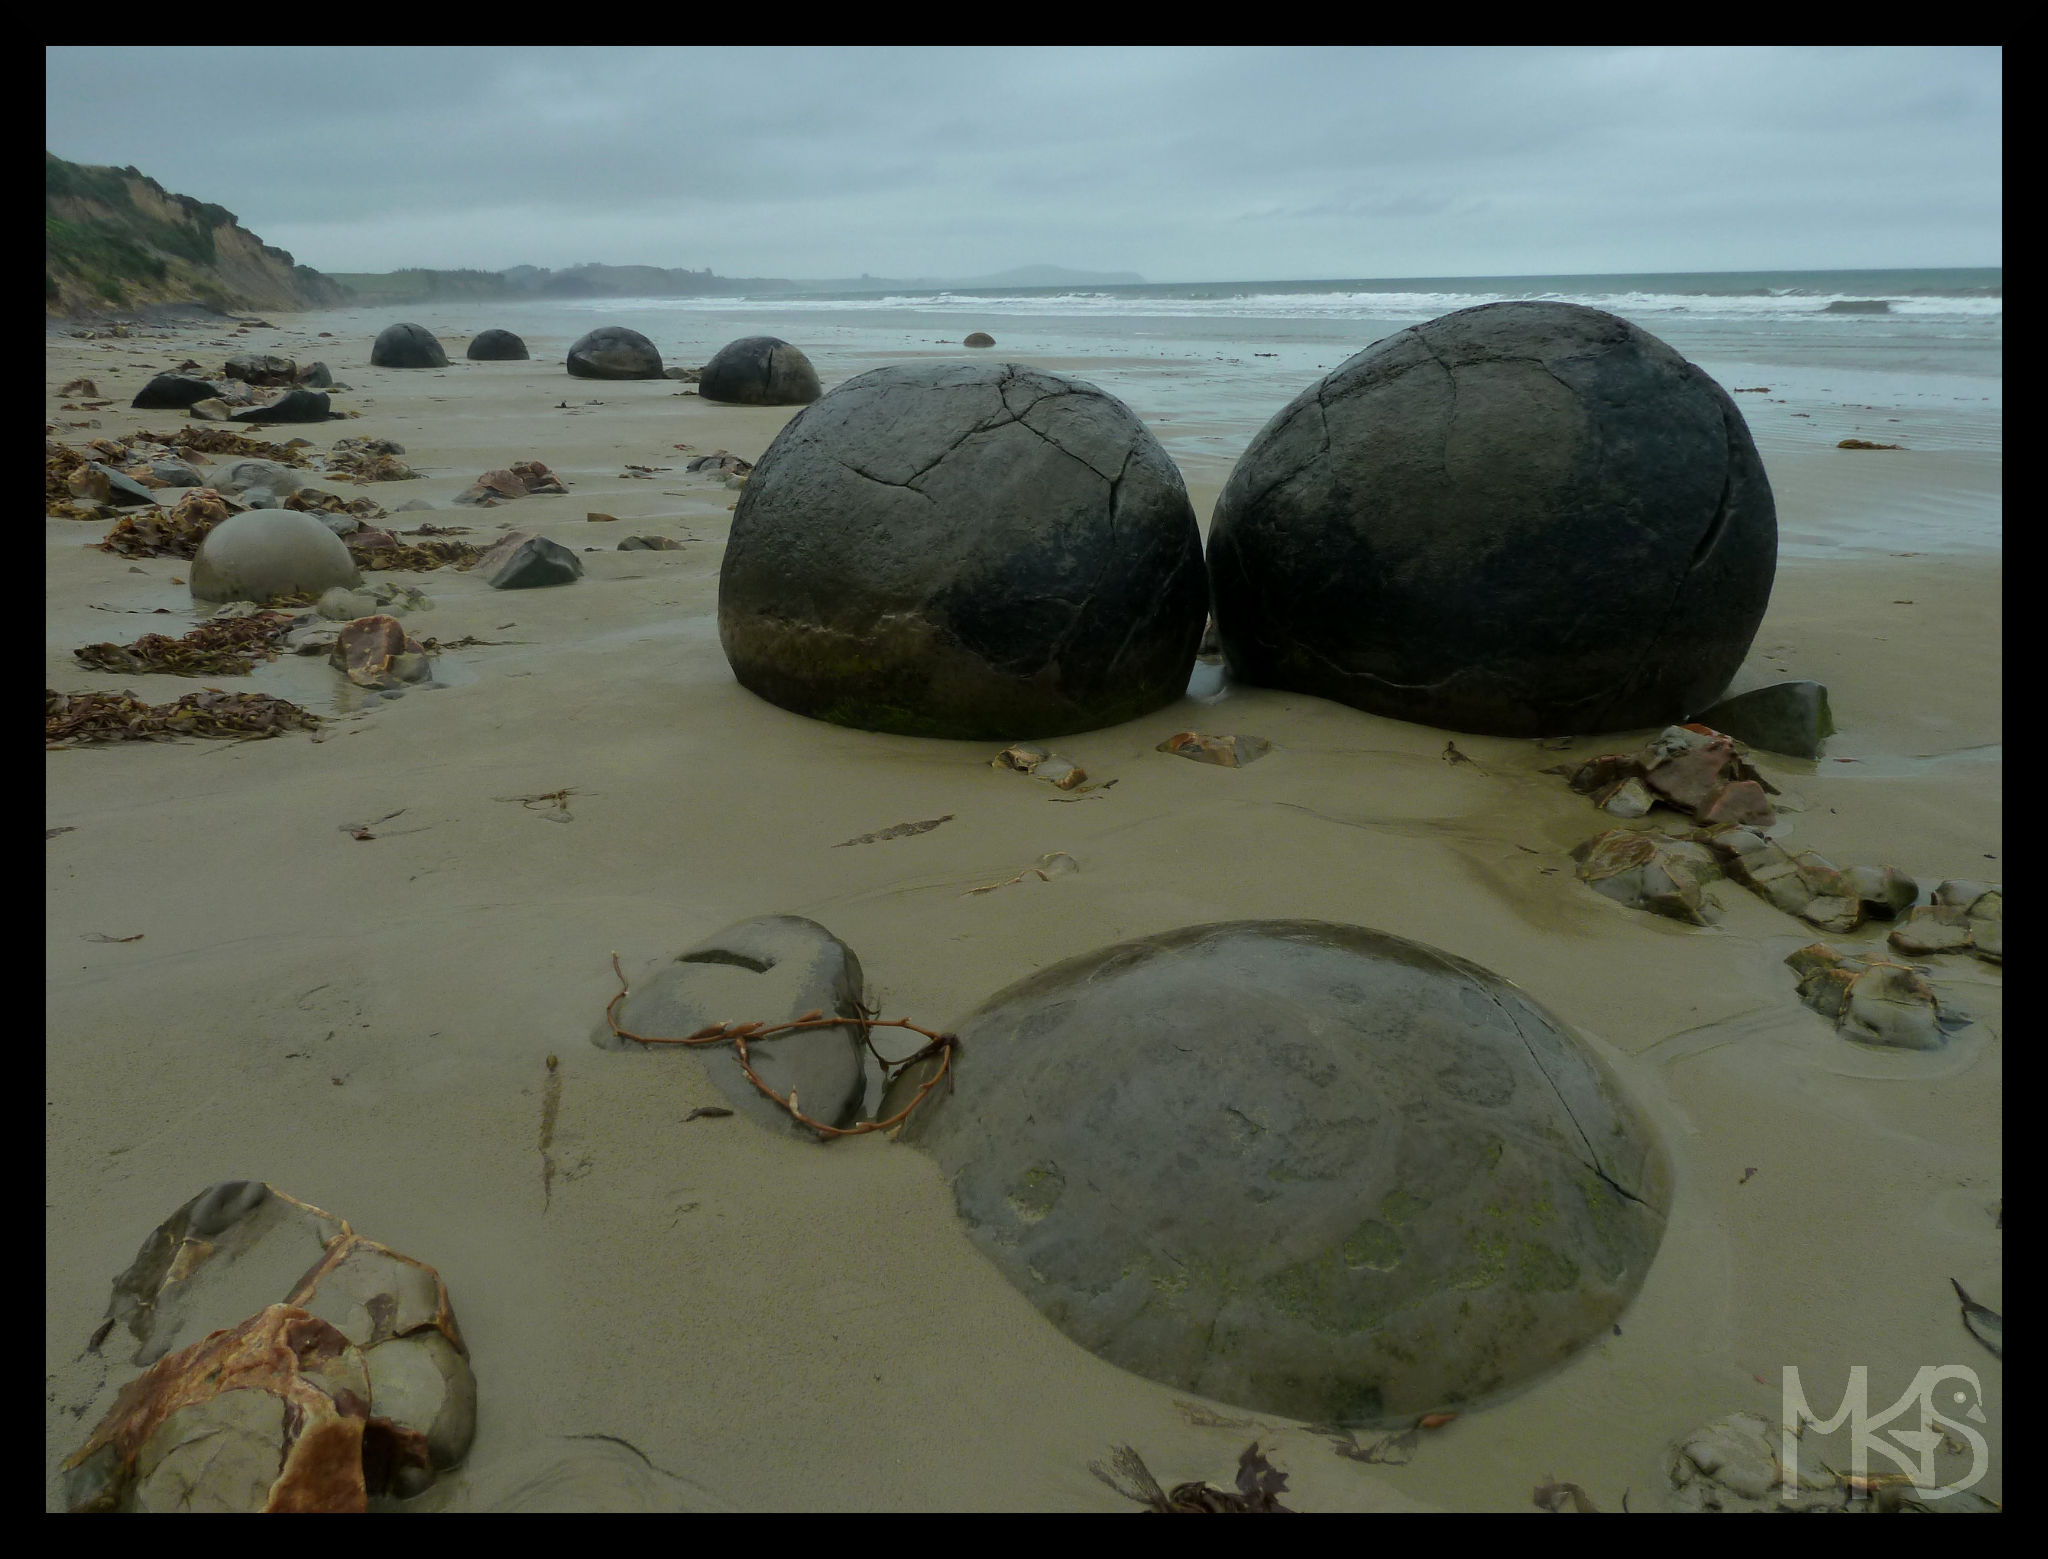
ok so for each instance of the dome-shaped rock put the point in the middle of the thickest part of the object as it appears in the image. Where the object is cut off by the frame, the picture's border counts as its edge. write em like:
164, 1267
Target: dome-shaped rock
964, 551
759, 371
1307, 1168
1524, 519
979, 338
174, 391
407, 346
267, 553
497, 346
614, 352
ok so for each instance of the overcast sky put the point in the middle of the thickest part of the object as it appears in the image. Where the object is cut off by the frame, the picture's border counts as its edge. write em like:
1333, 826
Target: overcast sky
1180, 164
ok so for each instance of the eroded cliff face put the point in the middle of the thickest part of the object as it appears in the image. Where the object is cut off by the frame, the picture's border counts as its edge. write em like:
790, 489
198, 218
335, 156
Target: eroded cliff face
115, 239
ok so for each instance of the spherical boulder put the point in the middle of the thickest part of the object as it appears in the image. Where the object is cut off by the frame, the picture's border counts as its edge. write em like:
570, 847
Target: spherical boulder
979, 338
759, 371
1522, 519
407, 346
614, 352
971, 551
1306, 1168
497, 346
267, 553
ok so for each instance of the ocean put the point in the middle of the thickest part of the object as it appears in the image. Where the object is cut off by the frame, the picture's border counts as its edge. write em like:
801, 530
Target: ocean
1906, 356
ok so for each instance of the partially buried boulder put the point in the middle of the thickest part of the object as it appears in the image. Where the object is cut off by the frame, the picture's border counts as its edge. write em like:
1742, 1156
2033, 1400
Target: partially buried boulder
1524, 519
497, 346
174, 392
979, 338
614, 352
1306, 1168
292, 406
407, 346
759, 371
267, 553
964, 551
1787, 717
772, 969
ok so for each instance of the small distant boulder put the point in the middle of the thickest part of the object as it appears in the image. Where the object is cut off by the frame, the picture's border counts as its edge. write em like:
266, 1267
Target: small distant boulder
614, 352
760, 371
316, 376
980, 338
407, 346
294, 406
267, 553
174, 392
497, 346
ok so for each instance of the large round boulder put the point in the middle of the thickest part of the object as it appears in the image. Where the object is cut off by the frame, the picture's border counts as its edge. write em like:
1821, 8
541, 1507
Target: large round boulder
759, 371
1523, 519
1306, 1168
964, 551
614, 352
407, 346
497, 346
267, 553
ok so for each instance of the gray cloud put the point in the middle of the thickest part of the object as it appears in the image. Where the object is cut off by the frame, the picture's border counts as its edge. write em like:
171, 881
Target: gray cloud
1183, 164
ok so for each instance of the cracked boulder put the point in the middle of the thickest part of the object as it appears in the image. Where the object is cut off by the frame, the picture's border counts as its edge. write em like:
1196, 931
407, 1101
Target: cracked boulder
347, 1377
1307, 1168
771, 969
613, 352
759, 371
497, 346
407, 346
964, 550
1873, 999
1965, 917
1651, 871
1521, 519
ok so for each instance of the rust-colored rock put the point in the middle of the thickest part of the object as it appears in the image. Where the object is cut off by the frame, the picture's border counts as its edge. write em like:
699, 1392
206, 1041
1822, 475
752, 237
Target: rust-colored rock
174, 1442
1230, 752
371, 651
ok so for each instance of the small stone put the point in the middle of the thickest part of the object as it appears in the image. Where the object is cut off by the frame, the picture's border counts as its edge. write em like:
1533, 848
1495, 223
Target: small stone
650, 544
1961, 893
1932, 928
601, 519
523, 562
212, 410
1651, 872
1230, 752
1628, 797
1885, 891
1739, 801
771, 969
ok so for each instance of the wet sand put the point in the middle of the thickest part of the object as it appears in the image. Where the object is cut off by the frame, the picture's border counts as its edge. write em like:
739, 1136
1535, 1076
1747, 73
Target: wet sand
746, 1321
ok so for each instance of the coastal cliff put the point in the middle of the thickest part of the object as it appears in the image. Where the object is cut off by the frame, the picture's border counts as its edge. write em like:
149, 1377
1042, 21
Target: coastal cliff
116, 239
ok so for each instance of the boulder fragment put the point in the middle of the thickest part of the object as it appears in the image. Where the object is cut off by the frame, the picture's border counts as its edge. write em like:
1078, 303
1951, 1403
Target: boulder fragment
770, 969
1650, 871
1873, 1000
523, 562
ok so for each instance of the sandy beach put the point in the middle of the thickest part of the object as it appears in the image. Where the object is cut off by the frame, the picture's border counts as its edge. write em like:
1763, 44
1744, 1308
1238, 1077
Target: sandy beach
704, 1315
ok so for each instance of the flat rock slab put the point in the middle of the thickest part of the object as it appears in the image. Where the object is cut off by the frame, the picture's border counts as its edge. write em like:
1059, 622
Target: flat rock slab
1521, 519
1307, 1168
964, 550
773, 968
522, 562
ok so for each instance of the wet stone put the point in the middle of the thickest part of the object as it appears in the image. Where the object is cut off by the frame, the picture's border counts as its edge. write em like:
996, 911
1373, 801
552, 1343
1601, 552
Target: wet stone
1650, 871
771, 969
1307, 1168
